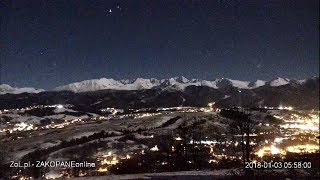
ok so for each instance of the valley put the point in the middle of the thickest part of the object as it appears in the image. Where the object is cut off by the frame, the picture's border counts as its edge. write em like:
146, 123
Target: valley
116, 138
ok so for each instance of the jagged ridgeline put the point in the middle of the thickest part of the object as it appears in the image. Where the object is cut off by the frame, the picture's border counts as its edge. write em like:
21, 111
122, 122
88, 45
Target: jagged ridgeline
175, 92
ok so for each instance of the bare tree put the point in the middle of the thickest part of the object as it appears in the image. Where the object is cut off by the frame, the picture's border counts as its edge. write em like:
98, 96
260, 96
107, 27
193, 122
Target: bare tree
241, 124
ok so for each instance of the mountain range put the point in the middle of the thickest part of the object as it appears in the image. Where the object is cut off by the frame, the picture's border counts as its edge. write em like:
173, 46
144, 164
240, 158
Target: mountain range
176, 83
92, 95
7, 89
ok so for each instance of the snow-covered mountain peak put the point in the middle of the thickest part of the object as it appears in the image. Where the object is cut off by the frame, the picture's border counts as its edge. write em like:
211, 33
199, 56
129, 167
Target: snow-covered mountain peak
225, 82
27, 90
181, 79
257, 83
195, 80
125, 81
168, 82
175, 83
90, 85
279, 81
141, 80
141, 83
239, 84
7, 89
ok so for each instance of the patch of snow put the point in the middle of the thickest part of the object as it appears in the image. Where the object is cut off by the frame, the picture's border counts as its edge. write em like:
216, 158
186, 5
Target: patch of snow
181, 79
212, 84
62, 109
302, 81
24, 118
239, 84
20, 154
256, 84
80, 135
162, 120
47, 145
53, 175
90, 85
174, 175
66, 117
226, 96
140, 136
278, 82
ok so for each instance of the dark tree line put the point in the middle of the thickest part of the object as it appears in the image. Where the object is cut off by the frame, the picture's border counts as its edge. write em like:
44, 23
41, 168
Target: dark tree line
187, 153
241, 124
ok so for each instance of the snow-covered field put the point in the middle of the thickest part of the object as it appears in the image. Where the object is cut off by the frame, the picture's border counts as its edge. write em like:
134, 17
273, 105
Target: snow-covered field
50, 137
173, 175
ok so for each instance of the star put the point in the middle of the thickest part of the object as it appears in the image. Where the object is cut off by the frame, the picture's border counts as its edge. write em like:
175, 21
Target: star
259, 66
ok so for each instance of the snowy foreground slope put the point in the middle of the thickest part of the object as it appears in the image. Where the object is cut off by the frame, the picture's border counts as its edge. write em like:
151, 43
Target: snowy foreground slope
215, 174
169, 175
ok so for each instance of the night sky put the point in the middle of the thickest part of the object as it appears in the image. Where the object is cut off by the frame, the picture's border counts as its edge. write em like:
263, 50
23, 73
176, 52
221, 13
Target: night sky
49, 43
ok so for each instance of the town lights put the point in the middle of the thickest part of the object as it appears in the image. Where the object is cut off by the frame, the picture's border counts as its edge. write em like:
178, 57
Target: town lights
290, 108
269, 150
155, 148
211, 104
59, 106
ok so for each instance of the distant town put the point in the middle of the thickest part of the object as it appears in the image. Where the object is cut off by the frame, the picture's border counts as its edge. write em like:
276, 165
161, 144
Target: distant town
153, 140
